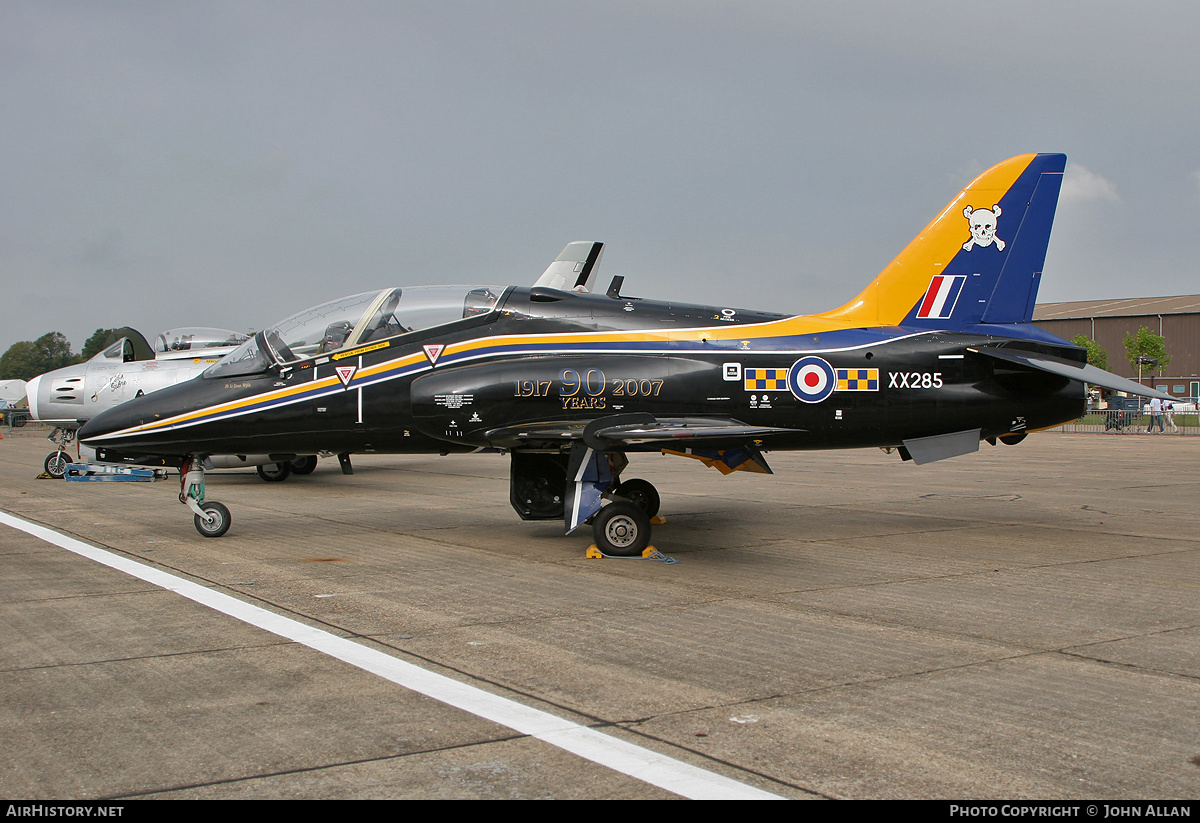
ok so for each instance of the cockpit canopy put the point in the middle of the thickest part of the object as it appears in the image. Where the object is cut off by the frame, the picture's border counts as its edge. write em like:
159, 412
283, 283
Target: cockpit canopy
355, 320
186, 341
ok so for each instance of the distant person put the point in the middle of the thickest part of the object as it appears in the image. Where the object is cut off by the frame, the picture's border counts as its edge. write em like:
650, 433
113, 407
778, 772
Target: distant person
1155, 416
1169, 413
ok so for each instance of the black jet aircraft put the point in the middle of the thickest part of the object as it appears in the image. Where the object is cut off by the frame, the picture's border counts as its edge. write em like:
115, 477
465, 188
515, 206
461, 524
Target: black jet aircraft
936, 355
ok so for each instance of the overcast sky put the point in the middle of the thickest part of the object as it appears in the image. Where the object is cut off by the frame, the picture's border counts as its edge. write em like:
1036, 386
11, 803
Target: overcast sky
230, 163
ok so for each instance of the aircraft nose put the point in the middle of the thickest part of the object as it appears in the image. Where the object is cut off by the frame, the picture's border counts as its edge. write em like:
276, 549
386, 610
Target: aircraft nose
116, 419
58, 394
129, 424
31, 393
103, 423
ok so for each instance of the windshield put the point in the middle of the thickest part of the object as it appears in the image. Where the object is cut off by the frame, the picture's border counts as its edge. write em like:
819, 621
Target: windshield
359, 318
248, 358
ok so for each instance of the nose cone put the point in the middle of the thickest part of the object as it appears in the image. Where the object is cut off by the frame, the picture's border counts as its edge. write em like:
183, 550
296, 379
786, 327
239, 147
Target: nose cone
104, 429
57, 395
140, 422
135, 432
160, 423
31, 392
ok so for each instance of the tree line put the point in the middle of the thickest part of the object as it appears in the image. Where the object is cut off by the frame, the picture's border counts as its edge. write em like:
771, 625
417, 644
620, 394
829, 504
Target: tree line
1143, 347
29, 358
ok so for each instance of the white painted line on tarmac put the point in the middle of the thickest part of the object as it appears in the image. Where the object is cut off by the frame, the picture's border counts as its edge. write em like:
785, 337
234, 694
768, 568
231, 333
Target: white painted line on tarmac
627, 758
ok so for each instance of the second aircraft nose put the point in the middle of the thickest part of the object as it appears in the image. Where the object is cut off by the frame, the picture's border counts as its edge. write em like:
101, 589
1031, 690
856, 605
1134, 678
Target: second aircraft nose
124, 425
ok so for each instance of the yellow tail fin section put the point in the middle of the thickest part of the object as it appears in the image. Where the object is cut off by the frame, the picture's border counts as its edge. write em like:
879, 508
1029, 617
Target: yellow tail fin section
978, 261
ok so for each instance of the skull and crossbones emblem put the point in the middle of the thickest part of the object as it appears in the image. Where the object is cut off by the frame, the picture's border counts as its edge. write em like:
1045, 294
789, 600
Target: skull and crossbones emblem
983, 227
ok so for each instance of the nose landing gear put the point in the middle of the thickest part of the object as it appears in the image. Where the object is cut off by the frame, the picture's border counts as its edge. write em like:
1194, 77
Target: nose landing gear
56, 464
212, 519
57, 461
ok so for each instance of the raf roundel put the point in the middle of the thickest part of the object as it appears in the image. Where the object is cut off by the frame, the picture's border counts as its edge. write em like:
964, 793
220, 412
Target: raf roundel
811, 379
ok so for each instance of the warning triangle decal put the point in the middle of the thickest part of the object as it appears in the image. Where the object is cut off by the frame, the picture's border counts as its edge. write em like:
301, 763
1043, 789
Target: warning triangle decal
345, 373
433, 352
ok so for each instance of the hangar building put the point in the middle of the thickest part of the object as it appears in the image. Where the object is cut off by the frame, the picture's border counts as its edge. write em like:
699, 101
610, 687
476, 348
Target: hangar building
1176, 319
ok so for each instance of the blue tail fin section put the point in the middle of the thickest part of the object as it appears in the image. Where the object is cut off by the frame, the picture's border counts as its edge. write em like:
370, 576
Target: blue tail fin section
1016, 289
994, 276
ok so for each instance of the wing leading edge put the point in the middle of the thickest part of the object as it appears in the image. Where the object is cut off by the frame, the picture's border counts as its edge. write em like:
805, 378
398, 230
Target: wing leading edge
639, 429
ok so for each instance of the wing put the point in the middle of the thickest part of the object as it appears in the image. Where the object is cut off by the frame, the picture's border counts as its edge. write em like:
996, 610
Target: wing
642, 430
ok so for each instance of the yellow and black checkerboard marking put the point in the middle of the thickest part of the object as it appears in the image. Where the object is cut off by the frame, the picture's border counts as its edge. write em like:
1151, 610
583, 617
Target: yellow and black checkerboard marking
857, 380
766, 379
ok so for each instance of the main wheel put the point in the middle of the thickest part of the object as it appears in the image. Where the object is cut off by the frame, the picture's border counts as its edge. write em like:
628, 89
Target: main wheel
304, 465
56, 465
641, 493
274, 472
218, 525
621, 529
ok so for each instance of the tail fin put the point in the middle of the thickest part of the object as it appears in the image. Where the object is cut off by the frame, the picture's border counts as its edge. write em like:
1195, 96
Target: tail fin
979, 261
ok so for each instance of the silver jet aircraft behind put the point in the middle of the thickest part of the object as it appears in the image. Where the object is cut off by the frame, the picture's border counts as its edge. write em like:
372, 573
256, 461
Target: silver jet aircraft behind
127, 368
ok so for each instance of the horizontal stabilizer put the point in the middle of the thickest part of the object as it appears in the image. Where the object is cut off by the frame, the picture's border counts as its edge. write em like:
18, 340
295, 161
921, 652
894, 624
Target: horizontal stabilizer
575, 267
1075, 371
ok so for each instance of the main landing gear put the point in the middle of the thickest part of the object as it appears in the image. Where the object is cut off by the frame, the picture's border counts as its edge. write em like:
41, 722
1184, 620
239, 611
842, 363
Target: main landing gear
212, 518
622, 529
304, 465
274, 472
641, 493
277, 472
584, 487
622, 526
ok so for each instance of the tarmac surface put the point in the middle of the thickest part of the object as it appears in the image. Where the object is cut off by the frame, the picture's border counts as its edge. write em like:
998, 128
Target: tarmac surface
1017, 623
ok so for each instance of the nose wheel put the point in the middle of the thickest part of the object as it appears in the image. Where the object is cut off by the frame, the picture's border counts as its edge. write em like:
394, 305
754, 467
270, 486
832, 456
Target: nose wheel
217, 519
56, 464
